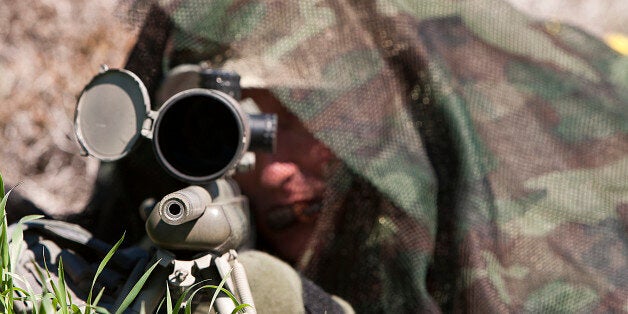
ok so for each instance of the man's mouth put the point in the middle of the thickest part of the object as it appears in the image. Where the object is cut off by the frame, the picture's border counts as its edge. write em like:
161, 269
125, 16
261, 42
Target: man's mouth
282, 217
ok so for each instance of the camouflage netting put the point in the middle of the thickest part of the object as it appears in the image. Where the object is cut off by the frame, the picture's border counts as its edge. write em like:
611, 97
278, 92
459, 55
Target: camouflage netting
485, 154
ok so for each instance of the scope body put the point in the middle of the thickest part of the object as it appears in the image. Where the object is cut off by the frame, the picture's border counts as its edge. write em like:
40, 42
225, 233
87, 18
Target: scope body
201, 131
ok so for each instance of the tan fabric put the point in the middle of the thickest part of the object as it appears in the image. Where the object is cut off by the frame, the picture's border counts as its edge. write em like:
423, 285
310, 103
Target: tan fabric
276, 287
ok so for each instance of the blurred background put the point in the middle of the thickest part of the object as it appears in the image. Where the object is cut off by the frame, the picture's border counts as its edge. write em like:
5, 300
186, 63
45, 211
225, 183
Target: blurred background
49, 49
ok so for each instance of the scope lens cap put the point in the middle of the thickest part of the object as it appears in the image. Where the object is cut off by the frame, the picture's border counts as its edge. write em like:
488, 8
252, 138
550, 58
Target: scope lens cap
110, 113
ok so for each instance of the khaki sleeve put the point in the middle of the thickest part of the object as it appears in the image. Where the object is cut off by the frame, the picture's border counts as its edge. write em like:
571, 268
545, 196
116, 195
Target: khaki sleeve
278, 288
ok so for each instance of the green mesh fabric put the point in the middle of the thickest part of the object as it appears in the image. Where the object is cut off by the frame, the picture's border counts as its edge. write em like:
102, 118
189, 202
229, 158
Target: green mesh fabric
484, 154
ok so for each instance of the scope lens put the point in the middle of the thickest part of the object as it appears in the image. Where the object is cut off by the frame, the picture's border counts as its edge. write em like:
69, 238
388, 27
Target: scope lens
198, 136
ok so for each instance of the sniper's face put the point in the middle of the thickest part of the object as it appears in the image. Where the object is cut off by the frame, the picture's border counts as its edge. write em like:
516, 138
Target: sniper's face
286, 188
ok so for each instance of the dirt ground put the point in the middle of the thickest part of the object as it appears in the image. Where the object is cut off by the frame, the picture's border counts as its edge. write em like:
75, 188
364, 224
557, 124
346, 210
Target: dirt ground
49, 49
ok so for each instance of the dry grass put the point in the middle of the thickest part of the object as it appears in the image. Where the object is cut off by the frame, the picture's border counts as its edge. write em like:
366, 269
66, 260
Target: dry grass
49, 50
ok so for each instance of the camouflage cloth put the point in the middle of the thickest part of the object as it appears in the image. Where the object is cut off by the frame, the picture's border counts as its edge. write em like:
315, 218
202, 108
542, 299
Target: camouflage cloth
485, 154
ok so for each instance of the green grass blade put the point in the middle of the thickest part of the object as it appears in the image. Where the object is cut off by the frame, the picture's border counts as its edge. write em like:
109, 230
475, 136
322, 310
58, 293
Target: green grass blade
40, 274
1, 186
3, 204
5, 265
3, 304
3, 213
136, 289
102, 265
75, 309
62, 291
4, 254
168, 301
14, 289
16, 245
222, 283
100, 309
240, 308
55, 291
217, 289
96, 300
15, 251
46, 305
45, 297
188, 306
28, 218
185, 293
28, 292
161, 303
228, 293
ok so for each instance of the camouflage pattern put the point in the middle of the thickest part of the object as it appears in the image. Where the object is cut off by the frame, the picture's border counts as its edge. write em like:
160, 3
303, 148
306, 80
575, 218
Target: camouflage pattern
485, 154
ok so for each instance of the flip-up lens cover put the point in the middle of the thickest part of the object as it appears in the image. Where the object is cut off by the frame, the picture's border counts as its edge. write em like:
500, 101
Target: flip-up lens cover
110, 113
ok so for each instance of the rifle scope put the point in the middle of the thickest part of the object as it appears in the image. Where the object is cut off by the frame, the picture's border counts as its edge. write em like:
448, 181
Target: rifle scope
201, 134
198, 134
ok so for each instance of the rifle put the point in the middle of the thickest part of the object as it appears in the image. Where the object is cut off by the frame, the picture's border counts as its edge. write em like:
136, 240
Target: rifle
200, 135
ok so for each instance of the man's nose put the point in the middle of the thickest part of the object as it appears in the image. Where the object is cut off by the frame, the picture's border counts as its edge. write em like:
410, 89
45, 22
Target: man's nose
277, 173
